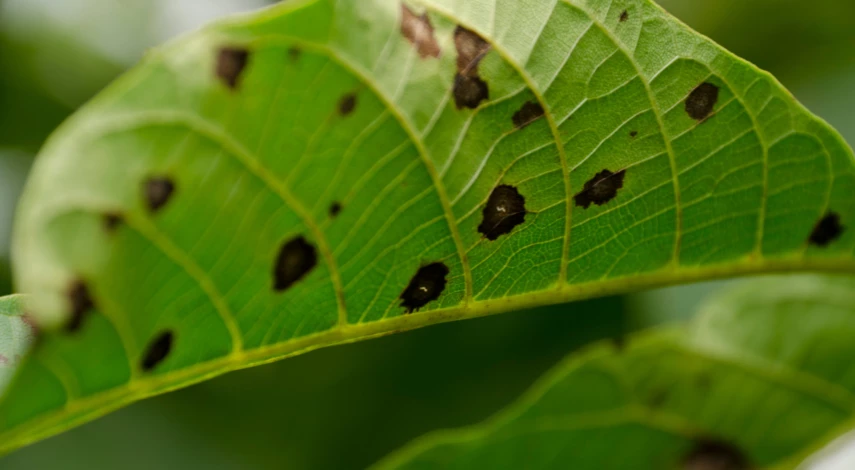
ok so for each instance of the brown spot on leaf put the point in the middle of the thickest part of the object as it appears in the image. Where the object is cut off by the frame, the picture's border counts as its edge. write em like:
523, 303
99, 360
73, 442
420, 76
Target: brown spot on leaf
827, 230
335, 209
530, 112
469, 89
702, 100
81, 305
157, 350
624, 16
230, 64
600, 189
347, 104
425, 287
419, 31
633, 134
294, 53
296, 258
157, 190
505, 210
712, 454
112, 220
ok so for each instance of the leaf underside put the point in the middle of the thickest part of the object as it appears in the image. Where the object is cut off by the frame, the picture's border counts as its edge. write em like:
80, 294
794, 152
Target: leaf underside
322, 172
756, 381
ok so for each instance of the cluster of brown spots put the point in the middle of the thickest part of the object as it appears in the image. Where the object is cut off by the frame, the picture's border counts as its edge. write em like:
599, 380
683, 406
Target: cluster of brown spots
156, 191
469, 89
701, 101
347, 104
600, 189
530, 112
296, 258
425, 287
157, 351
112, 220
505, 210
335, 209
624, 16
230, 64
81, 304
711, 454
827, 230
419, 31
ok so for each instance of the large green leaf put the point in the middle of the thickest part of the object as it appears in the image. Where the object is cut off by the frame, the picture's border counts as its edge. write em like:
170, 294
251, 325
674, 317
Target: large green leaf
761, 379
322, 172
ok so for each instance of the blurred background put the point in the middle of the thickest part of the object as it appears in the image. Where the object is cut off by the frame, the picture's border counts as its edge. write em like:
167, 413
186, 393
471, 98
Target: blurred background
347, 406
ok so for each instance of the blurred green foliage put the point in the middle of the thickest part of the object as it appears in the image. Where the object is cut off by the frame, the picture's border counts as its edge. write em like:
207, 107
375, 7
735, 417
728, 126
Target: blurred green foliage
357, 402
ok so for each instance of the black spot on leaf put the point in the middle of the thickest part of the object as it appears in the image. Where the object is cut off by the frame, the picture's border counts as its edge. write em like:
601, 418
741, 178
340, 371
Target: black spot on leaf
827, 230
157, 191
81, 305
347, 104
335, 209
633, 134
419, 31
701, 101
600, 189
294, 53
157, 350
230, 64
505, 210
469, 92
296, 258
711, 454
469, 89
112, 220
624, 16
425, 287
530, 112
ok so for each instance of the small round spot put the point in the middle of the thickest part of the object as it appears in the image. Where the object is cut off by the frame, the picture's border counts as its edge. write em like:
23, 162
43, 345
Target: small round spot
347, 104
112, 220
335, 209
157, 191
624, 16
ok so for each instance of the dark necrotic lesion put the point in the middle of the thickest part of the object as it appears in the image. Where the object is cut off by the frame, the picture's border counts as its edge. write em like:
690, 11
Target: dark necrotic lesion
828, 230
425, 287
505, 209
81, 305
528, 113
295, 260
600, 189
469, 88
157, 191
701, 101
157, 351
231, 62
715, 454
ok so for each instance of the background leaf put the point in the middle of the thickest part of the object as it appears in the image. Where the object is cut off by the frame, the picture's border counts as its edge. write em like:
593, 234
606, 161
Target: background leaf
154, 220
755, 381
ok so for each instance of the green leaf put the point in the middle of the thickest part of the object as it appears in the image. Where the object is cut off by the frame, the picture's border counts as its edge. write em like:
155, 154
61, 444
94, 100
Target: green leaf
760, 378
16, 336
323, 172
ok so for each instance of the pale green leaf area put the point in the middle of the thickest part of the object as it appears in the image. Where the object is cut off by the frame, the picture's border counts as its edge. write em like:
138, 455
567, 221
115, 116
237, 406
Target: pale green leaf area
16, 336
152, 226
755, 381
